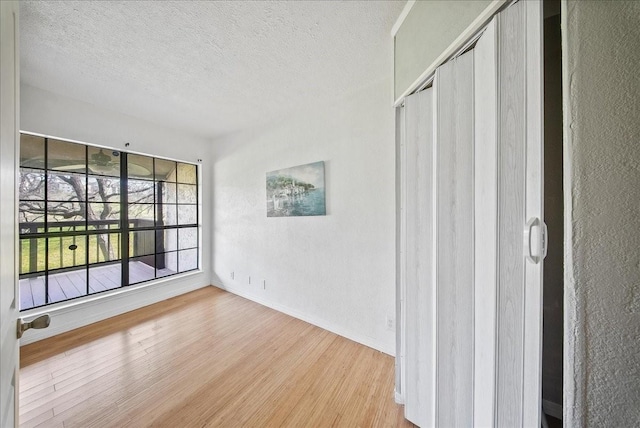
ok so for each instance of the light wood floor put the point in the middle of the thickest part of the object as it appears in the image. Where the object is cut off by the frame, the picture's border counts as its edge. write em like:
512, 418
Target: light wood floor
207, 358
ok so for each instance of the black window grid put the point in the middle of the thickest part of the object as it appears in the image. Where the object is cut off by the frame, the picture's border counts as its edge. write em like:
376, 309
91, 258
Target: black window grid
123, 230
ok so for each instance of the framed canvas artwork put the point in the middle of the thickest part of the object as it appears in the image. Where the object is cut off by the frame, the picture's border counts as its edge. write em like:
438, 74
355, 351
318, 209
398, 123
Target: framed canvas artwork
296, 191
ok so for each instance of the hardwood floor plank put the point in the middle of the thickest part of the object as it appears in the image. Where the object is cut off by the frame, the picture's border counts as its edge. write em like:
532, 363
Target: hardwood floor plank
36, 394
261, 380
34, 419
206, 358
231, 377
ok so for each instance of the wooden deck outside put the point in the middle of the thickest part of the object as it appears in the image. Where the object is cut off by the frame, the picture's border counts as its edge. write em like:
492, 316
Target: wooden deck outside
68, 285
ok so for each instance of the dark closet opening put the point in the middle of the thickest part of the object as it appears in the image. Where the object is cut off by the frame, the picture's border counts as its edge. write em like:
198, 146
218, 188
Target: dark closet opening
553, 312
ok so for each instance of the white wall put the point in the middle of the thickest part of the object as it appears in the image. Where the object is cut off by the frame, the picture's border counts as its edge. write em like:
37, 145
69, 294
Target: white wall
336, 271
602, 208
55, 115
429, 29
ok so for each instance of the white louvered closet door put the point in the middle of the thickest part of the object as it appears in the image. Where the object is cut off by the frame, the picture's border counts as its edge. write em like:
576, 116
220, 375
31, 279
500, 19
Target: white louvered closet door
438, 246
473, 233
454, 282
419, 299
519, 89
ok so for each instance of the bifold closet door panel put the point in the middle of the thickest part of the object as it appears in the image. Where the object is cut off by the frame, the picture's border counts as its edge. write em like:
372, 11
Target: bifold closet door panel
419, 386
454, 229
519, 294
486, 219
511, 187
534, 208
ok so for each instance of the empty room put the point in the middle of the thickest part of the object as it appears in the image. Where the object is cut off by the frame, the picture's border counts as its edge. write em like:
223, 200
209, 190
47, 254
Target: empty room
319, 213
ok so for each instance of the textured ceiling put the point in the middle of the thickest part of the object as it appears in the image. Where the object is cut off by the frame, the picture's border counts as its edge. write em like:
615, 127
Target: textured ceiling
210, 68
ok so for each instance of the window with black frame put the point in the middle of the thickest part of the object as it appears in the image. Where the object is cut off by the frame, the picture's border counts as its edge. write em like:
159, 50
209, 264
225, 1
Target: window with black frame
93, 219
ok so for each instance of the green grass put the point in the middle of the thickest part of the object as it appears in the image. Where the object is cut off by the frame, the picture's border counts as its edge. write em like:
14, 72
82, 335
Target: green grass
60, 256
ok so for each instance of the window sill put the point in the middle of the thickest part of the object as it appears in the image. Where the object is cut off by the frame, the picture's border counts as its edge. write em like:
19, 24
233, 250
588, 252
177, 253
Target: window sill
104, 296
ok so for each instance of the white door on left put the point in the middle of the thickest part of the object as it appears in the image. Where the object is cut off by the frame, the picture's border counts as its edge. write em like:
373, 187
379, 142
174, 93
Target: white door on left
9, 127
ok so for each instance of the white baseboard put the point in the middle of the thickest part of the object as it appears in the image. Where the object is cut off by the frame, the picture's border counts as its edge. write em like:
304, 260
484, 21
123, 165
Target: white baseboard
552, 409
324, 324
398, 397
79, 313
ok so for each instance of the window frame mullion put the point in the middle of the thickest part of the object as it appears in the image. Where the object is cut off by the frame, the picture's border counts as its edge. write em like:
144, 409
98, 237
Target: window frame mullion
124, 218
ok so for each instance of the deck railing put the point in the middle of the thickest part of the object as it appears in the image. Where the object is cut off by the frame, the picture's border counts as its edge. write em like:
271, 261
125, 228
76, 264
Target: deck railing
69, 233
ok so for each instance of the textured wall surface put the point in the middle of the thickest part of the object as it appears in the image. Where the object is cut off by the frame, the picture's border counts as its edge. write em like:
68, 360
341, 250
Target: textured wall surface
336, 271
602, 138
